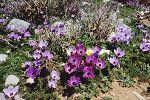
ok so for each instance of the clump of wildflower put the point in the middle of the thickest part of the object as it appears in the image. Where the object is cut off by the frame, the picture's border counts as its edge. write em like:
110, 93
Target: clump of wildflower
84, 61
123, 34
55, 77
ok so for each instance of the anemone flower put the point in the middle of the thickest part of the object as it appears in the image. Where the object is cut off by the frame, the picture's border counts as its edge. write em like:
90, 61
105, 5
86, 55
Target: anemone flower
37, 63
75, 60
26, 34
91, 59
114, 61
37, 56
88, 72
81, 50
119, 52
69, 69
74, 81
11, 91
71, 50
43, 44
145, 47
27, 64
47, 55
32, 72
32, 43
52, 84
55, 75
101, 64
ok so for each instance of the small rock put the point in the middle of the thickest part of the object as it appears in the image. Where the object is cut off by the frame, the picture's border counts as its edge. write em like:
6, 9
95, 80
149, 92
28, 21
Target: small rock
3, 57
19, 25
138, 95
2, 96
11, 80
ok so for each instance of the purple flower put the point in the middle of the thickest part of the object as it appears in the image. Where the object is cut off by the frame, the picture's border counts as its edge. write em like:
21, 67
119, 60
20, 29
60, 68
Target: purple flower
52, 84
32, 43
71, 50
32, 72
69, 69
88, 72
26, 34
81, 50
91, 59
37, 63
37, 56
47, 55
11, 91
43, 44
74, 81
119, 52
101, 64
37, 51
75, 60
114, 61
28, 64
14, 36
145, 46
55, 75
2, 20
97, 49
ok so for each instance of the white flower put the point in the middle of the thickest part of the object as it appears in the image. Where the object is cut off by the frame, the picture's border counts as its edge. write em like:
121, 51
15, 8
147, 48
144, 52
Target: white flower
104, 51
11, 80
30, 80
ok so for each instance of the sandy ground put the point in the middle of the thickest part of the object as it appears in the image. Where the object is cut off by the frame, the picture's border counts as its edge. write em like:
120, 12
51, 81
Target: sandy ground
123, 93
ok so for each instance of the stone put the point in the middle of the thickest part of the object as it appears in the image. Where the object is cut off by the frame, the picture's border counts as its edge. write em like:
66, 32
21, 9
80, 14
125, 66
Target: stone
2, 96
11, 80
3, 57
19, 25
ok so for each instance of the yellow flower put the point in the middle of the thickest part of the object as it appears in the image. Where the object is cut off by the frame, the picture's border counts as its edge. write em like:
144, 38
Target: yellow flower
89, 52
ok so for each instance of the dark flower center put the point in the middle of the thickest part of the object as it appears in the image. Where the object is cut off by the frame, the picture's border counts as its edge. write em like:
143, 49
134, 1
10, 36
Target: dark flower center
74, 60
80, 51
34, 73
91, 61
88, 73
69, 69
118, 54
11, 94
100, 65
114, 62
74, 83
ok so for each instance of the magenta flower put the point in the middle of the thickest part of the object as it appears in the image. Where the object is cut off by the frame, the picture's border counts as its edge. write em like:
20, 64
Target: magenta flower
75, 60
55, 75
69, 69
47, 55
32, 43
81, 50
37, 56
32, 72
52, 84
11, 91
91, 59
88, 72
114, 61
101, 64
119, 52
43, 44
145, 46
74, 81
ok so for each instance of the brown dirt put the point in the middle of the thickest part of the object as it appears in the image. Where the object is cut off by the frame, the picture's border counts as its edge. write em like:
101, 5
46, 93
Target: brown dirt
123, 93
